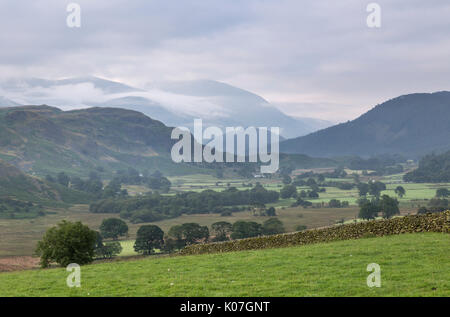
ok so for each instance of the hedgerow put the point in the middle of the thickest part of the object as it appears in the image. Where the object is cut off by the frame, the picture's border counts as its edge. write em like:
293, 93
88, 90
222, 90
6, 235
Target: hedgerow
433, 222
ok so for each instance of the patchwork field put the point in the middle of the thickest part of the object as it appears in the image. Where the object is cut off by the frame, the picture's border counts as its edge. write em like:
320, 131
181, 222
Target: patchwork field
19, 237
416, 194
411, 265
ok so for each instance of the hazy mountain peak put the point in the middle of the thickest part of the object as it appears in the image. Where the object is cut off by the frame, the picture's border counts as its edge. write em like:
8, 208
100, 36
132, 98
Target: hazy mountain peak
207, 88
175, 103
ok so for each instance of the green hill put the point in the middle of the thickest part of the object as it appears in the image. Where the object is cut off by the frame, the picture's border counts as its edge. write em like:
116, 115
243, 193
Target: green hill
432, 169
411, 265
16, 186
411, 125
46, 140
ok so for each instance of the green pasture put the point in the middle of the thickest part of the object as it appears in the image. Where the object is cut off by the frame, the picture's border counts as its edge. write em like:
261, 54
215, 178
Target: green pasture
411, 265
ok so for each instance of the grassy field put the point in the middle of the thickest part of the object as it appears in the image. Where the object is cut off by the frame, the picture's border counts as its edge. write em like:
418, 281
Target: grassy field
415, 193
19, 237
411, 265
127, 248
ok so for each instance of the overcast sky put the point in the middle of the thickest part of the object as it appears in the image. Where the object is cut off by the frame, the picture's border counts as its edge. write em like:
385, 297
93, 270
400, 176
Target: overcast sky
310, 58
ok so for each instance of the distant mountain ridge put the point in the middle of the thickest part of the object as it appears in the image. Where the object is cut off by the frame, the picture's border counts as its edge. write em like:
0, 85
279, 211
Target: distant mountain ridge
173, 103
44, 140
412, 125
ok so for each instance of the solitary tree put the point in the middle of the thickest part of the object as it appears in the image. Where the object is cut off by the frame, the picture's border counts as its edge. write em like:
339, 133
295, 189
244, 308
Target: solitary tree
175, 238
113, 228
270, 212
193, 232
389, 206
148, 238
272, 226
243, 229
311, 182
368, 209
221, 230
400, 191
67, 243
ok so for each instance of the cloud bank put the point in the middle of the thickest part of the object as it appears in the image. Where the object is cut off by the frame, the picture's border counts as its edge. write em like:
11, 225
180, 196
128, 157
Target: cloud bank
318, 53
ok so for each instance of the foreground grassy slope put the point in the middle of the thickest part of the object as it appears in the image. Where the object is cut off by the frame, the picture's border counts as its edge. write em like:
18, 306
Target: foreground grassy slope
411, 265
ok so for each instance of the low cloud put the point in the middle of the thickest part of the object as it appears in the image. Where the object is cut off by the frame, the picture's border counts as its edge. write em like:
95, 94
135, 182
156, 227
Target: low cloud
290, 52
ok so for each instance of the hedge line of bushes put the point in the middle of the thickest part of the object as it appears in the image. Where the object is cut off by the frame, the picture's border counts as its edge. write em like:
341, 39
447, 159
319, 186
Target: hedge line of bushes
436, 222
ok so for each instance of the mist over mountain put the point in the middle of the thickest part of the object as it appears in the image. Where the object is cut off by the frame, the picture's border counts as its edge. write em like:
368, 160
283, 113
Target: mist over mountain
412, 125
148, 107
174, 103
23, 84
4, 102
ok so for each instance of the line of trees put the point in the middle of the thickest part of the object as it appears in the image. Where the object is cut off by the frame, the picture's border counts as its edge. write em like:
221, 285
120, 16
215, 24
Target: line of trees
154, 207
12, 208
76, 243
386, 206
151, 237
94, 185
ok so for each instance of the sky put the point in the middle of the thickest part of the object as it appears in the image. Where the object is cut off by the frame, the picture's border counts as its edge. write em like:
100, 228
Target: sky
308, 58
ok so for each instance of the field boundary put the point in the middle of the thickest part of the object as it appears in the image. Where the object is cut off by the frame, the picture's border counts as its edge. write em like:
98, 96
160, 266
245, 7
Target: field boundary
431, 222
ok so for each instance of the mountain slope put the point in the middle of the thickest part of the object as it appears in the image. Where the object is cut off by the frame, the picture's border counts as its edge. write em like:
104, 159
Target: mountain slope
149, 108
174, 103
44, 139
239, 107
14, 184
411, 125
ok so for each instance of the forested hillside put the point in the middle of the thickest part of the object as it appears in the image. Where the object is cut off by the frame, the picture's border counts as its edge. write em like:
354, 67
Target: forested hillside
20, 192
411, 125
432, 169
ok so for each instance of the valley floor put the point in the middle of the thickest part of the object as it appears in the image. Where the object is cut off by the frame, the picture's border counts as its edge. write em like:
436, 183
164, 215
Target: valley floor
18, 237
411, 265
